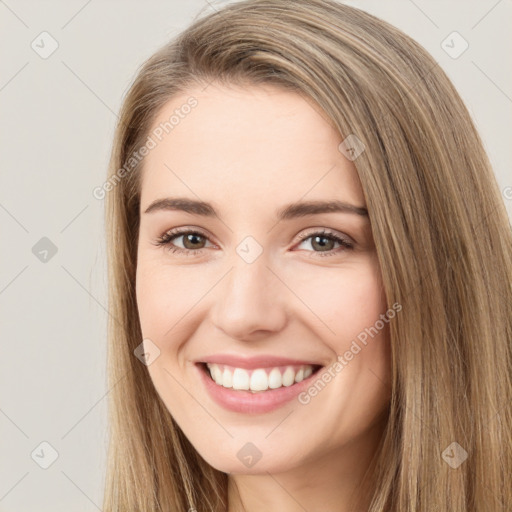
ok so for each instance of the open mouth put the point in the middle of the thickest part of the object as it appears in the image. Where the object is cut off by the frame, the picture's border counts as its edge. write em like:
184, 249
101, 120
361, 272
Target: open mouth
258, 380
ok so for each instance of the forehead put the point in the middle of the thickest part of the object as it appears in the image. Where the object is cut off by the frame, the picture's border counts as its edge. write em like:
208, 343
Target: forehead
251, 142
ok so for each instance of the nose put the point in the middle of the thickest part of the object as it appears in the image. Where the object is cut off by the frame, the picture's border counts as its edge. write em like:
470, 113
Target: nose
250, 302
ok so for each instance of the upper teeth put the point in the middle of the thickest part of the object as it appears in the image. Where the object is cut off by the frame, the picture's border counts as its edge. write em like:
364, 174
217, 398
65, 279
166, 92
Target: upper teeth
258, 379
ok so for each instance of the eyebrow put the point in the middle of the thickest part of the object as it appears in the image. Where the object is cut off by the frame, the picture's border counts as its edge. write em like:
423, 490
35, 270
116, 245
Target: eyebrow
290, 211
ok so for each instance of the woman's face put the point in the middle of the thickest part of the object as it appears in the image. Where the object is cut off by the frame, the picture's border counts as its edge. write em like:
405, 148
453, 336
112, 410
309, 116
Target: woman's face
262, 287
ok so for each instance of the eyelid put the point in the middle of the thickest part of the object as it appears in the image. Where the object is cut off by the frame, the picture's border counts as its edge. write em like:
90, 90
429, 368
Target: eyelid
327, 231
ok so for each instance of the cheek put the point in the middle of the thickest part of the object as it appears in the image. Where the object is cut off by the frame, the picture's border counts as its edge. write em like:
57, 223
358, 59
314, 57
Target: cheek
162, 303
164, 296
149, 299
356, 387
349, 305
346, 300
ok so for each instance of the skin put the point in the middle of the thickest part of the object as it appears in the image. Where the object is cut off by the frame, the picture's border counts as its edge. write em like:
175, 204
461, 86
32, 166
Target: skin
250, 151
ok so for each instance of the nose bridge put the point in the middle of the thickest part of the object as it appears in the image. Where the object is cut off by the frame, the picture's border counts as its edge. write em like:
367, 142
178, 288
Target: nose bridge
249, 299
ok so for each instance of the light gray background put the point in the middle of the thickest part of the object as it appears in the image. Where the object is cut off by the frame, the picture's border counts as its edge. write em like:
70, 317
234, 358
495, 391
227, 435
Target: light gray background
57, 120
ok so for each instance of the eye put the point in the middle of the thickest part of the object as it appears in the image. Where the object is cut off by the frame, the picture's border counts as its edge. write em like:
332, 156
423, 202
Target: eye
324, 241
192, 241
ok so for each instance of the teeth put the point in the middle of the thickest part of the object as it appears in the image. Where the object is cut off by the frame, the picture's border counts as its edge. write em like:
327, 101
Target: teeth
240, 379
288, 376
275, 380
227, 378
260, 379
217, 376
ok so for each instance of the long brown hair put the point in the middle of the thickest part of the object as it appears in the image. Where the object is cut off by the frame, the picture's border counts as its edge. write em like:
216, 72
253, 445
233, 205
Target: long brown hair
442, 236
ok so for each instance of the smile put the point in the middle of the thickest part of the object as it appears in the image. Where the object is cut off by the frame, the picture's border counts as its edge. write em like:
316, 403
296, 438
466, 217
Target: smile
255, 390
259, 379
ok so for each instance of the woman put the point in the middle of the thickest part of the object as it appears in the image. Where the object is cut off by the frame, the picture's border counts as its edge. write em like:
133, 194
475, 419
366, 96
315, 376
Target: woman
310, 270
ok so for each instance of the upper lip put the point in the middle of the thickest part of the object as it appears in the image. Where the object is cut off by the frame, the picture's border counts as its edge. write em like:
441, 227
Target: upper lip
250, 363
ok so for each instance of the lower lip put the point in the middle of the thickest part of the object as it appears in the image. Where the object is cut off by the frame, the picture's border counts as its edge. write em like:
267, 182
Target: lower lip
252, 403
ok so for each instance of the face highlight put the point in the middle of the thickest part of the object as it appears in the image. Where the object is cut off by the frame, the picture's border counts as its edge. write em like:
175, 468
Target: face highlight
235, 271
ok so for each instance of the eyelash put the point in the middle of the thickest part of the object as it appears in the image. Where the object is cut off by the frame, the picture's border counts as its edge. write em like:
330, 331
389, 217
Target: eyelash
166, 241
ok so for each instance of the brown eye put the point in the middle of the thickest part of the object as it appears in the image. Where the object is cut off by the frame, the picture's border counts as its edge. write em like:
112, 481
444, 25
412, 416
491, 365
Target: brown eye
193, 241
323, 243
